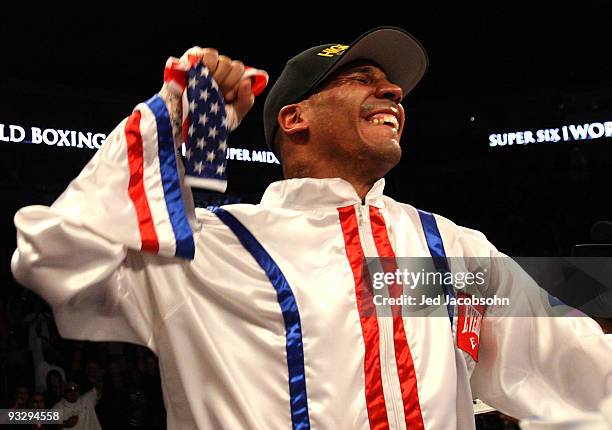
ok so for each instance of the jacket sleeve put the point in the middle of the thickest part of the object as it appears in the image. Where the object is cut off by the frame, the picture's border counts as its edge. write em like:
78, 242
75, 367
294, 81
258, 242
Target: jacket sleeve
535, 363
84, 254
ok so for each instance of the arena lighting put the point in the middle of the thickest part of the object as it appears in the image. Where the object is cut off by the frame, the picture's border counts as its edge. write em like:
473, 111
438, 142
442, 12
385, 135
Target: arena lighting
565, 133
13, 133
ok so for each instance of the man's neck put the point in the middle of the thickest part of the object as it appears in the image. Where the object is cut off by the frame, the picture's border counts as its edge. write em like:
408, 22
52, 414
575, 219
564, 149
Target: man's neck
362, 185
362, 188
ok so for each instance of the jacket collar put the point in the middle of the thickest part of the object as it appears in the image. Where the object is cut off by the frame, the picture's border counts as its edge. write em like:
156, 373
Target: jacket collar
311, 193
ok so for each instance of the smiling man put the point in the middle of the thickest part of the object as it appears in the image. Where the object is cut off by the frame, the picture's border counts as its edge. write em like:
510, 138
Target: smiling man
269, 323
350, 128
335, 110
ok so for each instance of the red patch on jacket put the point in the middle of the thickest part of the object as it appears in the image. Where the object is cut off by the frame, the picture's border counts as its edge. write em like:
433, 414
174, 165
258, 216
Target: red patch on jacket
469, 319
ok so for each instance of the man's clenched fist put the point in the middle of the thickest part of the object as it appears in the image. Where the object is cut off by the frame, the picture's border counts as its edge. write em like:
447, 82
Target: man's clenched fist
228, 74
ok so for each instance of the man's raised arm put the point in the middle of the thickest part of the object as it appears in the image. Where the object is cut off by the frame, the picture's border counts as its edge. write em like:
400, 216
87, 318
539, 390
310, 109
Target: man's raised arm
82, 254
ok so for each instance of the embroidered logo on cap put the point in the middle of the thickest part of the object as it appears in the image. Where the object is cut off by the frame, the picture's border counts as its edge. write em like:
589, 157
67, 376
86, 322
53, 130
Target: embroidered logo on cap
333, 50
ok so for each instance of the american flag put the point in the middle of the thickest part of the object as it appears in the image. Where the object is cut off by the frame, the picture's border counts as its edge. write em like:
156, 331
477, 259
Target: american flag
137, 174
205, 131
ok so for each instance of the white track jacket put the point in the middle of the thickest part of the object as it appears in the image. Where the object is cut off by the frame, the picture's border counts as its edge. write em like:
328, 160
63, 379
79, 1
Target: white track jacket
262, 328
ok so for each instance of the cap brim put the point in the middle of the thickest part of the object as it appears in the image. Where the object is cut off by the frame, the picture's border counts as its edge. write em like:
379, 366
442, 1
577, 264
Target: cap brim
401, 56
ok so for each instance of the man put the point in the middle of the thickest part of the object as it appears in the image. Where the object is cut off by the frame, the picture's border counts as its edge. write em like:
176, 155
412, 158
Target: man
267, 326
79, 412
45, 360
21, 397
37, 401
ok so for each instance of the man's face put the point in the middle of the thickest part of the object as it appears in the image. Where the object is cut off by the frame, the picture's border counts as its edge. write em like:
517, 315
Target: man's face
71, 392
92, 371
22, 394
38, 401
357, 116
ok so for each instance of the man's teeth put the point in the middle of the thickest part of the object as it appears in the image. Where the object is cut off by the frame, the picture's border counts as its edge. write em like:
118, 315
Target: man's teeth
388, 119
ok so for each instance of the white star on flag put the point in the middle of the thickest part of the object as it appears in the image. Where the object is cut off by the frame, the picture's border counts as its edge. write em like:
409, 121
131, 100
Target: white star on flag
201, 144
193, 82
198, 167
204, 72
188, 154
222, 145
203, 119
191, 130
220, 169
204, 95
210, 156
224, 121
212, 132
214, 108
192, 106
214, 85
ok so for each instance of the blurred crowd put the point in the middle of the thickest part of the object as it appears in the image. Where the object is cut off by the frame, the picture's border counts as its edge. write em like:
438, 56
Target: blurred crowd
39, 369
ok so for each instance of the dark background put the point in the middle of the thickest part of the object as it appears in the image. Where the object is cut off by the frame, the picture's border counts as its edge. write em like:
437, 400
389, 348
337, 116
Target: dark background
513, 67
493, 68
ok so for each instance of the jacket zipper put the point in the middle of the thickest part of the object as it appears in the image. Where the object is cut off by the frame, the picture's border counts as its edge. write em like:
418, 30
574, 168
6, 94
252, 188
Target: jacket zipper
388, 346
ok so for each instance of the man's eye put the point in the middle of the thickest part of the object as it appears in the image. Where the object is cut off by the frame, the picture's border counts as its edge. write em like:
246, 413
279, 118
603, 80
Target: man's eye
362, 79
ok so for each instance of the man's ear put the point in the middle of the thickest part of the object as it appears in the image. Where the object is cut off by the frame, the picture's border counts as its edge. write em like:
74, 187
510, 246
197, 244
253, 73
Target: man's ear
291, 120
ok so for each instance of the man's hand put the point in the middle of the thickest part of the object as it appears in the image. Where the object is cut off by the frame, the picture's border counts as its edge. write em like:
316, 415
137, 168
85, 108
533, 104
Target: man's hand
228, 74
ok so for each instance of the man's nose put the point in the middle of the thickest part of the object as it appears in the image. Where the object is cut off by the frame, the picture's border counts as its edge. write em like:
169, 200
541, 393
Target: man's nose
389, 91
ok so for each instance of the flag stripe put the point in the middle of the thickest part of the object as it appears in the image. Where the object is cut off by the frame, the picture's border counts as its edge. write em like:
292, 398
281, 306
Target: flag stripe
183, 234
375, 398
136, 189
403, 356
291, 315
